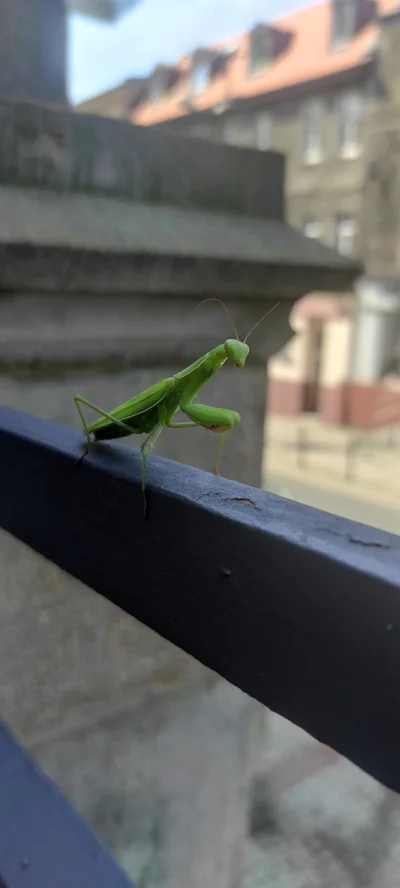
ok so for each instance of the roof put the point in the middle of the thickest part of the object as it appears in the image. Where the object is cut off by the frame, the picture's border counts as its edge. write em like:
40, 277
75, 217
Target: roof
117, 101
308, 56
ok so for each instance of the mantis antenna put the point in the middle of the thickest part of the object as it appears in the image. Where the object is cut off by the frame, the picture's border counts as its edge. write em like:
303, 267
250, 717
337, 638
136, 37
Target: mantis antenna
214, 299
261, 319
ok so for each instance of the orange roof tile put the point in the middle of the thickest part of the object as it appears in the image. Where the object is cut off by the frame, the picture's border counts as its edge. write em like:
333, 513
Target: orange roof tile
308, 56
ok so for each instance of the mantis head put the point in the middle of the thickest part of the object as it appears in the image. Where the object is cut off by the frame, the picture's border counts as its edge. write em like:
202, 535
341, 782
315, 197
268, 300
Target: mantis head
237, 351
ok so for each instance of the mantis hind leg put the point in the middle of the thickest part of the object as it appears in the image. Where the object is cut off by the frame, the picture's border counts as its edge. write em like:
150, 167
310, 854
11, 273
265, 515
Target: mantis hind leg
79, 400
82, 418
146, 447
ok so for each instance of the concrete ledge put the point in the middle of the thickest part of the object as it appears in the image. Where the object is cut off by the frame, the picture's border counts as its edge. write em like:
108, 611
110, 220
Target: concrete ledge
87, 222
64, 151
32, 268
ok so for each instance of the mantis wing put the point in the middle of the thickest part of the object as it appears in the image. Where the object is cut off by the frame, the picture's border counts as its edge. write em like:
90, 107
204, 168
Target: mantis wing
136, 406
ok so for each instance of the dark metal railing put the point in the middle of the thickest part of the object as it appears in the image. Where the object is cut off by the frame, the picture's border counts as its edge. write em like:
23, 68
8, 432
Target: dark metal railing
44, 843
298, 608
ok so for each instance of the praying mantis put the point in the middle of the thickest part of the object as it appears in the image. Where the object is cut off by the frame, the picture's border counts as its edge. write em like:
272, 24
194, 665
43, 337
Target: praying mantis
153, 410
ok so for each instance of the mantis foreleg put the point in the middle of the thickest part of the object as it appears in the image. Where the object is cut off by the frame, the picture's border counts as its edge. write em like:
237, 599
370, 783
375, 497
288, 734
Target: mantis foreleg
215, 419
181, 425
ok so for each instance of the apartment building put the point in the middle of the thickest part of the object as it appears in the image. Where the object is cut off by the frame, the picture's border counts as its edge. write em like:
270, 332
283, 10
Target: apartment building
301, 85
320, 85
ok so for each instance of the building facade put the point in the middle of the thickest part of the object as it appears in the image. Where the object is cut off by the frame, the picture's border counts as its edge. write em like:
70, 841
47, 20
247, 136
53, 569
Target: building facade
303, 86
322, 87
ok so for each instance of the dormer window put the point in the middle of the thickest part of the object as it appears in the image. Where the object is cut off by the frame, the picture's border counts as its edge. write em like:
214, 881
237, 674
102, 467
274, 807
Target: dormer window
161, 80
261, 48
343, 22
201, 76
156, 89
206, 64
265, 43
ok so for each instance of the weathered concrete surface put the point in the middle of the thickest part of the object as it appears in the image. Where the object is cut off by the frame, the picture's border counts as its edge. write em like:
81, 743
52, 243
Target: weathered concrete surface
88, 329
87, 222
62, 151
154, 750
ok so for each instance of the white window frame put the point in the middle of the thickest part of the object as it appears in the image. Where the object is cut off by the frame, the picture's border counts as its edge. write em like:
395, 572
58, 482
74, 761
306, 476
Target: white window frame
263, 126
349, 117
345, 229
313, 229
312, 116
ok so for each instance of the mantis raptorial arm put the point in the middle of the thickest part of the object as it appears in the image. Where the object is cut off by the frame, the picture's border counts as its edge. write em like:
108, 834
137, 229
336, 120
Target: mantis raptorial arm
215, 419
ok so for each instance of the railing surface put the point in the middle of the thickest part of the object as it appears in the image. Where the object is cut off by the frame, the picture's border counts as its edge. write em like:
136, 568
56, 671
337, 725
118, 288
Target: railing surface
44, 843
298, 608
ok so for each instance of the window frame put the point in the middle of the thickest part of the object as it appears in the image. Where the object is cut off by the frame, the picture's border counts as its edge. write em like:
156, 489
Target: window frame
349, 116
344, 12
262, 118
340, 222
310, 154
260, 39
202, 65
313, 222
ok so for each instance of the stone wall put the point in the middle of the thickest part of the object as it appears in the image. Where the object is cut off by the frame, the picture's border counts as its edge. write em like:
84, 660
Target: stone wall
380, 228
82, 153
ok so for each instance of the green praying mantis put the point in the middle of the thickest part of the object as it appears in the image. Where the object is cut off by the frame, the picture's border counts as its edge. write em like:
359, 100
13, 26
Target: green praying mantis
153, 410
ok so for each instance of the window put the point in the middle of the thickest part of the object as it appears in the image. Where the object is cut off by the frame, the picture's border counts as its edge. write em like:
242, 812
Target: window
313, 229
350, 111
312, 131
158, 84
260, 48
345, 234
156, 89
200, 76
263, 124
239, 131
343, 22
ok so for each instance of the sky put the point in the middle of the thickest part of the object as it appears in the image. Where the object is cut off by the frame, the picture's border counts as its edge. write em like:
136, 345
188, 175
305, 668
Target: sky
103, 55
